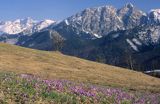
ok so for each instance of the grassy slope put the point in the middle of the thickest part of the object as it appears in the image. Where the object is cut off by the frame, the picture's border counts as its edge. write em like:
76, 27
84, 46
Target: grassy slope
57, 65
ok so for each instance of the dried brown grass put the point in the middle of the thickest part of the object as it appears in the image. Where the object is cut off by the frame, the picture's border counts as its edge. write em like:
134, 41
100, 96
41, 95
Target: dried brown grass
56, 65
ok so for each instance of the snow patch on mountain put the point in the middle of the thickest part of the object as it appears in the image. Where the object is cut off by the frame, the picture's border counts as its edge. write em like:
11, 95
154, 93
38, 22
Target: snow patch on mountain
66, 21
97, 36
132, 45
136, 41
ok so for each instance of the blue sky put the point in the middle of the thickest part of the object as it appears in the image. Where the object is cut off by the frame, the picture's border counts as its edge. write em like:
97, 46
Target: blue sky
60, 9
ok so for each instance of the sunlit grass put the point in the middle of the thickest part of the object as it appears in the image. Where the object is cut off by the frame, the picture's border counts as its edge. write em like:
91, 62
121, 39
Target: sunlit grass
56, 65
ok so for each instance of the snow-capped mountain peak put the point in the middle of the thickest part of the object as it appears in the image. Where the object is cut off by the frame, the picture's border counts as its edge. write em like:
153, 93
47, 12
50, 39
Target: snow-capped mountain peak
105, 19
155, 14
27, 26
43, 24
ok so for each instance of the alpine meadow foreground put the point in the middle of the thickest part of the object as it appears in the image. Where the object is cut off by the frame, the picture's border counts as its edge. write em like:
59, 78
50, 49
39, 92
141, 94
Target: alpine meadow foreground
29, 89
56, 65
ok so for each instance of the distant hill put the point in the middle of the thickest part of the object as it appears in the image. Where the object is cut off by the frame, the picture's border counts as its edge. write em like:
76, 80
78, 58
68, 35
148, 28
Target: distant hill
57, 65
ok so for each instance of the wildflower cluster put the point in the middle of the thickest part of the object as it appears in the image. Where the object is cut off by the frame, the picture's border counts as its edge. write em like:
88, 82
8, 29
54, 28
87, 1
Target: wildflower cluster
29, 89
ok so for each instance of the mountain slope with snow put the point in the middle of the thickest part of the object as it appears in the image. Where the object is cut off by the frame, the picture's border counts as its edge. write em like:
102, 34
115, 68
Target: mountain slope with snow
100, 21
155, 15
25, 26
43, 24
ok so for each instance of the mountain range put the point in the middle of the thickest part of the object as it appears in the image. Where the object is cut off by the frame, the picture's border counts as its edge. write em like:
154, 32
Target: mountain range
125, 37
26, 26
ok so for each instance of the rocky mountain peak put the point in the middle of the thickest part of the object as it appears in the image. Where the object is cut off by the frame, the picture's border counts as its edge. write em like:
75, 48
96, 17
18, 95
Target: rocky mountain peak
129, 5
99, 21
154, 15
